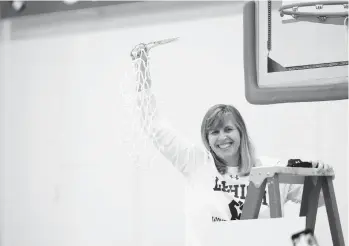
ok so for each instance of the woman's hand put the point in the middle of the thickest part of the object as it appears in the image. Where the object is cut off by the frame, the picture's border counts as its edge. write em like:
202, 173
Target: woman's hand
140, 51
139, 55
321, 165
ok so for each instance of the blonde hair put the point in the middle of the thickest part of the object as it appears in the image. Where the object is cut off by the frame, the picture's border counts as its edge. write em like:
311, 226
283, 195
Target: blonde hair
213, 117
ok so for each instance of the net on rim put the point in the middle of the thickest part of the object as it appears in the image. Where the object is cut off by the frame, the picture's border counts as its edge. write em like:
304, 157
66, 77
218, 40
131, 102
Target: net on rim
324, 12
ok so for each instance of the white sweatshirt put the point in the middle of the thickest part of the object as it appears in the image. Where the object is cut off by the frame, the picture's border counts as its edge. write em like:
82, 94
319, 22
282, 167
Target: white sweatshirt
210, 196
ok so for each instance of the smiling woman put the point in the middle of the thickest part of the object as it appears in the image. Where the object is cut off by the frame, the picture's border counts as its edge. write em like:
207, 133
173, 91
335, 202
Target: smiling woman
224, 135
218, 175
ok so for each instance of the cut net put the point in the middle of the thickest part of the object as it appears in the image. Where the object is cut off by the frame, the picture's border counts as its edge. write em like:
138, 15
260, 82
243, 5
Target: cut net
139, 122
138, 112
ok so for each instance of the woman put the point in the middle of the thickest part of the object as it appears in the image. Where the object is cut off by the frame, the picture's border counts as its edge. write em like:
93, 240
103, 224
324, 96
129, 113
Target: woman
217, 175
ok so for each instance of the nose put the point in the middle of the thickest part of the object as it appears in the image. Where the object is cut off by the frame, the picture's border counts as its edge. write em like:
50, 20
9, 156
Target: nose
222, 135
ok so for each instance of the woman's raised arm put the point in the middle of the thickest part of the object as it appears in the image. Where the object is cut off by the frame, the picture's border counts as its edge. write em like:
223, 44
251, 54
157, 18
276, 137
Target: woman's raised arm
176, 148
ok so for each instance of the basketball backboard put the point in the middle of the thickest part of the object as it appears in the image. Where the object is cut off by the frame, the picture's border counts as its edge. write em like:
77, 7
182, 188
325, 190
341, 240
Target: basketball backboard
296, 59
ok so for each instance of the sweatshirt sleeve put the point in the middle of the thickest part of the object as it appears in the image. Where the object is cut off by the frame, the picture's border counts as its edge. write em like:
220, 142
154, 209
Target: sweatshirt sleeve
295, 193
183, 155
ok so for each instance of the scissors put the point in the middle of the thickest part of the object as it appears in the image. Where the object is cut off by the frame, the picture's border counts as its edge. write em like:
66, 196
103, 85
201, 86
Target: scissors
136, 51
159, 42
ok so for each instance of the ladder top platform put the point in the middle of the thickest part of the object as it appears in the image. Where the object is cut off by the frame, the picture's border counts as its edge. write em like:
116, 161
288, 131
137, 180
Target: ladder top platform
286, 174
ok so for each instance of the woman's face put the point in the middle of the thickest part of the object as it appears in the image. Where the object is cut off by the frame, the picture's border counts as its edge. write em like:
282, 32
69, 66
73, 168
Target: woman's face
224, 139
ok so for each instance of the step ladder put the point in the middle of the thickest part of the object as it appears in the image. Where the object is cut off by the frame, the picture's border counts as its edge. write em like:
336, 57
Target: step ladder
313, 179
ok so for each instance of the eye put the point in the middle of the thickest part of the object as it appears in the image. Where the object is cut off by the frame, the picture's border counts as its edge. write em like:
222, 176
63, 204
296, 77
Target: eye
229, 129
214, 132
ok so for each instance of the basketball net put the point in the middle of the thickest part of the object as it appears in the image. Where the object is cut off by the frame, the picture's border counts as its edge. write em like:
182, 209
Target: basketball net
139, 108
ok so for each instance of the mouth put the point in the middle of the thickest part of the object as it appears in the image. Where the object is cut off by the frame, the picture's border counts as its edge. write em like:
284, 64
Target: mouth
225, 145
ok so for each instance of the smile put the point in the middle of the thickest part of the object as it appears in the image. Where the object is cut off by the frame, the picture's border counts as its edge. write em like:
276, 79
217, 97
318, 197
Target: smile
225, 145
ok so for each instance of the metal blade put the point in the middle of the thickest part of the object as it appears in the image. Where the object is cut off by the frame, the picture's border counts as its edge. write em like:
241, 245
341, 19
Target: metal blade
160, 42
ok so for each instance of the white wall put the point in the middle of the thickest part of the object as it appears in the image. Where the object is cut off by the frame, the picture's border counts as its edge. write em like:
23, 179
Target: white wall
66, 178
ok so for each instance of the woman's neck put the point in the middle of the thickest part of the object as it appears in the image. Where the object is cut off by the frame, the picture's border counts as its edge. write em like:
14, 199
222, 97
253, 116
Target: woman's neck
233, 162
